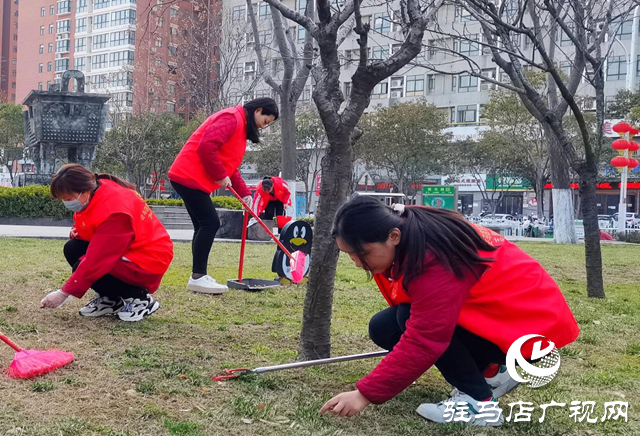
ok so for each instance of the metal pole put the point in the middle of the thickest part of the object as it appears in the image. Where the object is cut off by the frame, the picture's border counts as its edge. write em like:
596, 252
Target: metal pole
622, 207
634, 43
318, 362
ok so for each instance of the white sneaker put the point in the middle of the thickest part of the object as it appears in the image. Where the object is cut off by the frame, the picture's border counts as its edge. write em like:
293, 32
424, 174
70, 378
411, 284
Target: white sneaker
501, 383
461, 408
206, 285
135, 309
101, 306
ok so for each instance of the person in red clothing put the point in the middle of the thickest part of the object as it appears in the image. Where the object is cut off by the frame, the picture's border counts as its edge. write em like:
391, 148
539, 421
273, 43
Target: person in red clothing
271, 197
459, 296
210, 160
117, 246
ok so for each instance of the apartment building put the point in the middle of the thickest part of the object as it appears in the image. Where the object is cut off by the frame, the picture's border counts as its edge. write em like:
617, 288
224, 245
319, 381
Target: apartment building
9, 10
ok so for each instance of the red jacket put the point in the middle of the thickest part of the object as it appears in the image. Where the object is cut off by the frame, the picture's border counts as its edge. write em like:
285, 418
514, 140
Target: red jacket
118, 223
213, 152
280, 193
515, 296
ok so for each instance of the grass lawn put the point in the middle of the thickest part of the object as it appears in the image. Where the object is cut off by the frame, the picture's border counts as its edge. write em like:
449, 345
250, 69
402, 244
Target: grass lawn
154, 377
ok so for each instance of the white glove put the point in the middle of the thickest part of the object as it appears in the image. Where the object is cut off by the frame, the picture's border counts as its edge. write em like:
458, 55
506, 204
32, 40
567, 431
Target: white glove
249, 200
55, 299
252, 221
224, 182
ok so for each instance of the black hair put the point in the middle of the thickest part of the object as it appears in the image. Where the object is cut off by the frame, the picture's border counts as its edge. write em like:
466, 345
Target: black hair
268, 106
442, 233
267, 183
74, 178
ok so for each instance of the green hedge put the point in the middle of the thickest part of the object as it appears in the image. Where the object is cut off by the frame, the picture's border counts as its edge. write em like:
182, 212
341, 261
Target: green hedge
31, 202
36, 202
633, 237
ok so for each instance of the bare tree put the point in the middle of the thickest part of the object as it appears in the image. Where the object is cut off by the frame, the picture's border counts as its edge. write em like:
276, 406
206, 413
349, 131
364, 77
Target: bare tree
340, 118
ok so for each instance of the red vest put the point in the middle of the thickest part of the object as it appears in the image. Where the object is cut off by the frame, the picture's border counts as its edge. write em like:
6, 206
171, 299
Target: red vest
280, 192
152, 249
514, 297
188, 165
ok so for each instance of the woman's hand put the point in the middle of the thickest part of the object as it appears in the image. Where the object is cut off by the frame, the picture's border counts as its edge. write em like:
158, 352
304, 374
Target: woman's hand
249, 200
226, 182
73, 234
55, 299
346, 404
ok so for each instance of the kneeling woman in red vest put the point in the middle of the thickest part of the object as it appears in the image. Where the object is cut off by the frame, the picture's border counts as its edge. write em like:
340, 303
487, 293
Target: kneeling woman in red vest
460, 295
271, 197
117, 247
210, 160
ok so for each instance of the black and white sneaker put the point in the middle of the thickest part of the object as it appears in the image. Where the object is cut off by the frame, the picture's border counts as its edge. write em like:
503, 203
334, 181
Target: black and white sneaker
136, 309
102, 306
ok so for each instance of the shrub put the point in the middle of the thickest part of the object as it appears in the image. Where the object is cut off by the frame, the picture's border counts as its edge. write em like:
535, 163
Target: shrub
222, 202
633, 237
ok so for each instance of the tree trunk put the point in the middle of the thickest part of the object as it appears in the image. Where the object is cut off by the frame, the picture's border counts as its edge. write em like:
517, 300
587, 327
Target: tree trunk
288, 157
593, 253
315, 337
540, 182
564, 227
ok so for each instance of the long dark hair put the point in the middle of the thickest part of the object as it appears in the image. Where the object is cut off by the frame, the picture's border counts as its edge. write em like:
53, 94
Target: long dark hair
268, 106
442, 233
74, 178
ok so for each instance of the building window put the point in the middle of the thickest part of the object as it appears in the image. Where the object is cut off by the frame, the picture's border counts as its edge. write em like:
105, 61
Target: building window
238, 13
623, 30
123, 99
52, 10
39, 86
173, 50
101, 21
41, 49
81, 6
381, 90
62, 64
125, 37
469, 48
100, 61
379, 53
171, 87
565, 67
415, 85
50, 48
264, 11
64, 6
41, 30
174, 12
63, 26
467, 114
122, 2
100, 41
43, 12
40, 68
617, 68
159, 22
120, 18
50, 29
121, 79
120, 58
463, 15
467, 83
49, 66
158, 42
431, 82
81, 45
80, 63
15, 36
81, 25
63, 45
158, 62
101, 4
381, 22
171, 106
249, 70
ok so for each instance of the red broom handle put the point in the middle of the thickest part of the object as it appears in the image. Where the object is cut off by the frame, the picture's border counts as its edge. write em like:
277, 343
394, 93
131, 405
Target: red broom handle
244, 241
9, 342
264, 226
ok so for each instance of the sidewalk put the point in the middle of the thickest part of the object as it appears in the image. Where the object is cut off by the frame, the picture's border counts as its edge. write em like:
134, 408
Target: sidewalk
54, 232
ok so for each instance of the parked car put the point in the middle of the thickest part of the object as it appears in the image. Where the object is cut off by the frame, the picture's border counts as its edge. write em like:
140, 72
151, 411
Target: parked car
498, 218
605, 221
633, 219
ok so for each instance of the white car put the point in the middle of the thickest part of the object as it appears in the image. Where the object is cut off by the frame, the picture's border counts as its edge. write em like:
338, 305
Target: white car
632, 219
498, 218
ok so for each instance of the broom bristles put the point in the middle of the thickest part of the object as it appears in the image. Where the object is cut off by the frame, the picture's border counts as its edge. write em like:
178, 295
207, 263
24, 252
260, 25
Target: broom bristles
30, 363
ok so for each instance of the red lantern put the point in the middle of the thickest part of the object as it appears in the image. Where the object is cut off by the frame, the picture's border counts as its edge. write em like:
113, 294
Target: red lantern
633, 146
162, 181
633, 163
619, 162
633, 132
162, 188
622, 128
153, 180
620, 145
154, 173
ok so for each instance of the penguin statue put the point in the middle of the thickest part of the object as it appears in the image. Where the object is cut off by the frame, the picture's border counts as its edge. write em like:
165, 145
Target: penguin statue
295, 236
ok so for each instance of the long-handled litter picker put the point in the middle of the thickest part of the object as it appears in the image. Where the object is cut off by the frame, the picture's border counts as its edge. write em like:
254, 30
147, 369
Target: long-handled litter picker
296, 260
30, 363
239, 372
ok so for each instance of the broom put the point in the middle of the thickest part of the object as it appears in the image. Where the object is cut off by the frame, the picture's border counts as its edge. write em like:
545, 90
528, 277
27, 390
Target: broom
30, 363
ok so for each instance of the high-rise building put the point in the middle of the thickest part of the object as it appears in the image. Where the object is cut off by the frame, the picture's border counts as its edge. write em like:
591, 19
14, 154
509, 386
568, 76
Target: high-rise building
8, 49
127, 48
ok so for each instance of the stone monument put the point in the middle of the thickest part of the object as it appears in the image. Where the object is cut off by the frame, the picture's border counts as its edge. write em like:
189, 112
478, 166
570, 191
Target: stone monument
58, 119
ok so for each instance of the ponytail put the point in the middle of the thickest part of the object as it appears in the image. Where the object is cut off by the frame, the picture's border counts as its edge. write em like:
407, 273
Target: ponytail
116, 179
74, 178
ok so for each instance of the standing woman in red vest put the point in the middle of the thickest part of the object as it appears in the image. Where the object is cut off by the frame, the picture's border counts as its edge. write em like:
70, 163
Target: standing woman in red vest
117, 247
210, 160
459, 296
271, 197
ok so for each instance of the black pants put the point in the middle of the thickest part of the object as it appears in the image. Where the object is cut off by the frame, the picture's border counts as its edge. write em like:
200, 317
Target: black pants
107, 285
274, 208
462, 364
205, 224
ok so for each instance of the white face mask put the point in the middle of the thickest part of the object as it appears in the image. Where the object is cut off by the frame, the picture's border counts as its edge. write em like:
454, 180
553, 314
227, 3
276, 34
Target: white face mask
75, 205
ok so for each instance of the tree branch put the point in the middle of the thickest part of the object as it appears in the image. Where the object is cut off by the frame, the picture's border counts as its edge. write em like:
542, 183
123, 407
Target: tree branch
295, 16
258, 49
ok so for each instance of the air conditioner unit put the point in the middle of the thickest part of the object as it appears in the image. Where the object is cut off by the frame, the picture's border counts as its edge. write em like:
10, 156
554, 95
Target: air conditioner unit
487, 86
396, 93
396, 83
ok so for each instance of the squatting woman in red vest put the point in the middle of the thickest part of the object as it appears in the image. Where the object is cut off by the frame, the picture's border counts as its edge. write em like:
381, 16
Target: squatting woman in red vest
271, 197
459, 296
210, 160
117, 247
